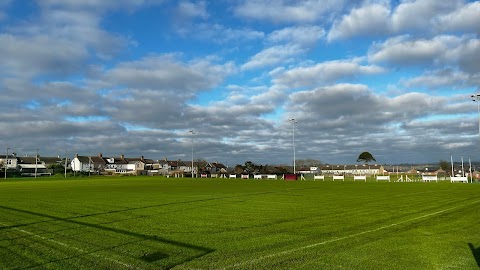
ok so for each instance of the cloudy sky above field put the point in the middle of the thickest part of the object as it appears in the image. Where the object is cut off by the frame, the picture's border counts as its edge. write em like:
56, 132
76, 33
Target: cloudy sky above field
134, 76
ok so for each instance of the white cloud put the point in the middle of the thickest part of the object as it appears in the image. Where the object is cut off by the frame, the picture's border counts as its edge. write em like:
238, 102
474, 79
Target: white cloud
287, 11
445, 78
188, 10
96, 5
421, 16
273, 56
465, 18
29, 56
166, 73
304, 35
449, 50
367, 20
325, 72
221, 34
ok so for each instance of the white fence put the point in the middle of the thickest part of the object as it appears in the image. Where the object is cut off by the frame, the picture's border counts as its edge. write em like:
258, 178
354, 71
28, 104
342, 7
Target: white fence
338, 177
232, 176
429, 178
383, 178
461, 179
318, 177
360, 178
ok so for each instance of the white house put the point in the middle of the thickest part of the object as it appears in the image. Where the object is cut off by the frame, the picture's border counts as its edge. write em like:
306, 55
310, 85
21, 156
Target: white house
81, 164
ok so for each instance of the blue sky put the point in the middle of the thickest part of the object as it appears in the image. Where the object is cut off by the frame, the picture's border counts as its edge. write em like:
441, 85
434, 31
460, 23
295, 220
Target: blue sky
133, 77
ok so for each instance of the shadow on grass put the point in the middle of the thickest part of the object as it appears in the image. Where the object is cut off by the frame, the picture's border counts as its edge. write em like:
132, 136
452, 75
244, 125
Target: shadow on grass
202, 251
476, 253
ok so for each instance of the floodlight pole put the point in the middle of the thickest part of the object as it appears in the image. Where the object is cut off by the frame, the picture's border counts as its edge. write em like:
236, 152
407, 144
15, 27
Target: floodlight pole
66, 158
476, 98
36, 161
193, 133
6, 163
293, 121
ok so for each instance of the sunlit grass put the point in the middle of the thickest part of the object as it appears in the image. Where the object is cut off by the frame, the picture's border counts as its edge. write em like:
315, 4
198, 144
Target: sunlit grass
159, 223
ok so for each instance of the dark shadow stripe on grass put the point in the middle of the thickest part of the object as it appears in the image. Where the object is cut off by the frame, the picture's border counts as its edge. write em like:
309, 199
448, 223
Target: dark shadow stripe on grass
202, 250
126, 209
476, 253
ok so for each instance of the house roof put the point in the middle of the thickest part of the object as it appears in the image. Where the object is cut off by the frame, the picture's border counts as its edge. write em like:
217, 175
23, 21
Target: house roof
28, 160
114, 160
83, 159
176, 163
96, 160
217, 165
51, 160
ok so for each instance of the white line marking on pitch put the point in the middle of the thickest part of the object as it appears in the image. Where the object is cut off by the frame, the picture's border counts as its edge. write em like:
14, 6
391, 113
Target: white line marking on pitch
345, 237
74, 248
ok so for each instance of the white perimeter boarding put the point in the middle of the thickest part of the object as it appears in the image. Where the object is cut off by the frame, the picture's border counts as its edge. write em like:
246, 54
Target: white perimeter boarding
338, 177
461, 179
429, 178
319, 177
383, 178
360, 178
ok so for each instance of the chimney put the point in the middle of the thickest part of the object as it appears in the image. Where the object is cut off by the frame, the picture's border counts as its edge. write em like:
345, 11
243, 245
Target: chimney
100, 155
142, 158
122, 156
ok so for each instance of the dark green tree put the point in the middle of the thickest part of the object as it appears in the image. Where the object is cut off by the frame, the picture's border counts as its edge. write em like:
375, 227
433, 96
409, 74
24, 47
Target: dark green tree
444, 165
365, 157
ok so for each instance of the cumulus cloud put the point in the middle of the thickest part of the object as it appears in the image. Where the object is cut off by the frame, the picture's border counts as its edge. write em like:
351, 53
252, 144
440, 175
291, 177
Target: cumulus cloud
287, 11
367, 20
444, 78
168, 74
274, 55
97, 6
189, 10
324, 73
464, 18
68, 81
220, 34
421, 16
440, 50
26, 56
346, 119
304, 35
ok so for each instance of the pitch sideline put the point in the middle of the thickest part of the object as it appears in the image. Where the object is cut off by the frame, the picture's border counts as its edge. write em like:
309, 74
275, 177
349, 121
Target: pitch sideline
75, 248
344, 237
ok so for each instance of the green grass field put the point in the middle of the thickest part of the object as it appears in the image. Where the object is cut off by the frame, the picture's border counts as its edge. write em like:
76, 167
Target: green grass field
159, 223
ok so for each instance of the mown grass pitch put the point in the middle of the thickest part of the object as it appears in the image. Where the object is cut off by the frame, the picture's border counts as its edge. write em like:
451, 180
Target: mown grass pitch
159, 223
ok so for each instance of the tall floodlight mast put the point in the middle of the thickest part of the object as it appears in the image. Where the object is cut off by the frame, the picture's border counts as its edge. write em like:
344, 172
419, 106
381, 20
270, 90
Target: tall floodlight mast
6, 163
476, 98
193, 133
293, 121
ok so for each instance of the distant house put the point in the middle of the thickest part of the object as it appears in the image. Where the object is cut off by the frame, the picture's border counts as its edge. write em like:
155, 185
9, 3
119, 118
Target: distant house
97, 163
10, 161
363, 169
215, 167
81, 164
141, 164
119, 166
32, 166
